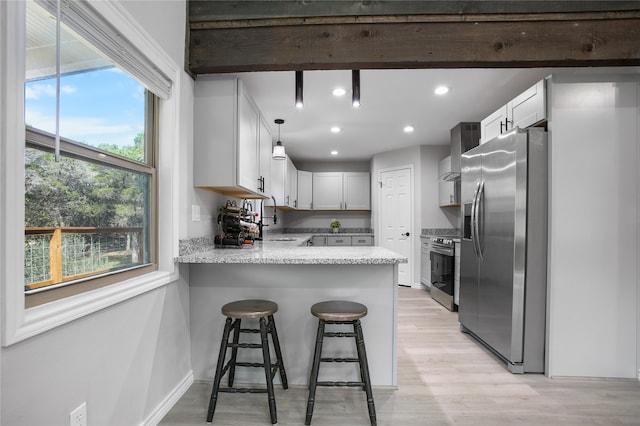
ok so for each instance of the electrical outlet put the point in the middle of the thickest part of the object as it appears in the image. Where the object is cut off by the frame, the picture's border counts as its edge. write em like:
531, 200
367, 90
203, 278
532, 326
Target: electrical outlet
78, 417
195, 213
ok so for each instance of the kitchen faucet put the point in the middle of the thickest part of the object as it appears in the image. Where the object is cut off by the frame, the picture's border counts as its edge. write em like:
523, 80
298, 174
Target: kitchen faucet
274, 217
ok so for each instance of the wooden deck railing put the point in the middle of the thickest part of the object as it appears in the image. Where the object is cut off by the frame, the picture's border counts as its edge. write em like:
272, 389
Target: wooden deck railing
53, 272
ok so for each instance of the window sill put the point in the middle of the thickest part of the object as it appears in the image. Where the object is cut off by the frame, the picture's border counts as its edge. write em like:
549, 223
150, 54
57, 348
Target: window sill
46, 317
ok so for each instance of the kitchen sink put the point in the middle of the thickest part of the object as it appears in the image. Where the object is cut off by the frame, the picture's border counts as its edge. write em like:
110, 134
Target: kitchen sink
282, 239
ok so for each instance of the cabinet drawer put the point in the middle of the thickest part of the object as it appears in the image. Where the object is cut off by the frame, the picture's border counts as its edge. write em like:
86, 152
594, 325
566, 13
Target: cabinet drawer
365, 240
338, 241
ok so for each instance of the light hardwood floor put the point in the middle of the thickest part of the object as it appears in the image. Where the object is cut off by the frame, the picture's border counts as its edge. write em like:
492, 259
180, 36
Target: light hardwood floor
444, 378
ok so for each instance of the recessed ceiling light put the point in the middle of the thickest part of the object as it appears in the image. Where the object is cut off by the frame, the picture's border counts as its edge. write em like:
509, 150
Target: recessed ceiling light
339, 91
334, 152
336, 129
441, 90
408, 129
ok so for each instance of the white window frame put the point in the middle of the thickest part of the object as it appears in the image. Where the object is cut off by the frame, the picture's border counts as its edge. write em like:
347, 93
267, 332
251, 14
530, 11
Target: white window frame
19, 323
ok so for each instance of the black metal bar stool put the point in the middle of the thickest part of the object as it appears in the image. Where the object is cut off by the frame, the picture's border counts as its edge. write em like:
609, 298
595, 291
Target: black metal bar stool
239, 310
340, 312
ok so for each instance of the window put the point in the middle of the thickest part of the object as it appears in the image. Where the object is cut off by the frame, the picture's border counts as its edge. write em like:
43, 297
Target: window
111, 27
90, 165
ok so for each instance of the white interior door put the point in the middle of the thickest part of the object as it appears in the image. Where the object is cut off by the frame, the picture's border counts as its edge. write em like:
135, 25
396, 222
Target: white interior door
396, 211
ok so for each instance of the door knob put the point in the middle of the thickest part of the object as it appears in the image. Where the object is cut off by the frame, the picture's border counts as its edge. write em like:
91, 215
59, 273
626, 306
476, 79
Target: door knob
406, 234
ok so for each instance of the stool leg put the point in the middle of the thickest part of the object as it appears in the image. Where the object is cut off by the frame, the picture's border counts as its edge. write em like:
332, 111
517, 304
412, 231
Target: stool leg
219, 368
234, 351
364, 368
267, 370
276, 346
315, 367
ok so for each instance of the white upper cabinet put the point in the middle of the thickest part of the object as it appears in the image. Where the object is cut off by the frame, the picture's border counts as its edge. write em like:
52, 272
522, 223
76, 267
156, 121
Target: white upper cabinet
291, 185
248, 140
356, 191
264, 164
305, 191
327, 191
494, 125
227, 138
284, 183
341, 191
525, 110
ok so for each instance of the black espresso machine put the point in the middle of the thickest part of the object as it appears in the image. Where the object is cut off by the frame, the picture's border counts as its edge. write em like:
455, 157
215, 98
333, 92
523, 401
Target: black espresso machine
237, 226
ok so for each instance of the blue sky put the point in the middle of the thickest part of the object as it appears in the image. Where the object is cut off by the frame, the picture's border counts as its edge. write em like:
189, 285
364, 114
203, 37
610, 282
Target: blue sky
104, 106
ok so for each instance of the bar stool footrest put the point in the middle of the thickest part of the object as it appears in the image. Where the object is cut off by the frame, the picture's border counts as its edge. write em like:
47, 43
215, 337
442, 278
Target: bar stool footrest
339, 360
245, 345
242, 390
341, 384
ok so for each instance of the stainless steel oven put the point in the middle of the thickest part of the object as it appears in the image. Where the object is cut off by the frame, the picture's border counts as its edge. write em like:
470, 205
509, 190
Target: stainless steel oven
442, 257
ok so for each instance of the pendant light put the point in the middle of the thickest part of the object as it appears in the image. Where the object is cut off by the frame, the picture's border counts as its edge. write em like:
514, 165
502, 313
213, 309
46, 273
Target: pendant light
299, 90
278, 148
355, 88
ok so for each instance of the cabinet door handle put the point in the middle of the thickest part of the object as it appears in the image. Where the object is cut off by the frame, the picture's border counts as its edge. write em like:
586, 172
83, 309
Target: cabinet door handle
406, 234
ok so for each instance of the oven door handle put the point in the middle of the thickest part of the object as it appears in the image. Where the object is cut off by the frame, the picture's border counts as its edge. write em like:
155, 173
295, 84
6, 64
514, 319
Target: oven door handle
476, 220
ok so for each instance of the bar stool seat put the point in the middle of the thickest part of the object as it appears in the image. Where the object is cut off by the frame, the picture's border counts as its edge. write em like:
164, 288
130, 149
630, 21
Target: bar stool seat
340, 312
235, 312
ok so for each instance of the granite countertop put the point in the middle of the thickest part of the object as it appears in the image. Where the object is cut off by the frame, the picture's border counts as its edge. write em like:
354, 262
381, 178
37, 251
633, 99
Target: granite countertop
286, 249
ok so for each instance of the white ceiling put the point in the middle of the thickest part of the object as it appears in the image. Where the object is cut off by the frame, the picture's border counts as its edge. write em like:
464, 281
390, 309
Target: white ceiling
391, 99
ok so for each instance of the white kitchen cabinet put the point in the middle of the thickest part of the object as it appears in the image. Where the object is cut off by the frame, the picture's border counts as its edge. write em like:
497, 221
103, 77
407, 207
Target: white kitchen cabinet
327, 191
305, 190
226, 138
362, 240
494, 125
264, 164
341, 191
448, 191
291, 185
284, 183
319, 240
425, 261
356, 190
338, 241
525, 110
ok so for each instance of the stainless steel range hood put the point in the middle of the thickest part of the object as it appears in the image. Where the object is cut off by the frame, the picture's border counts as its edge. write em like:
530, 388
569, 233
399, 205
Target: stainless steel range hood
464, 136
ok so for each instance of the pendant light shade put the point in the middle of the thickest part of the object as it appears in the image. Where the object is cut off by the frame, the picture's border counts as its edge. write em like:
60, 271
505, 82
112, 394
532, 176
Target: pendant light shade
278, 148
299, 90
355, 88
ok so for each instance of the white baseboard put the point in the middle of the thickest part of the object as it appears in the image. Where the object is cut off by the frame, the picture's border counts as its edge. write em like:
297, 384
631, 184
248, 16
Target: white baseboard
171, 399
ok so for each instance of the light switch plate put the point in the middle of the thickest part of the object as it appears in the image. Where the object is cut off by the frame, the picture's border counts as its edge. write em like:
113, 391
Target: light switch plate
78, 417
195, 213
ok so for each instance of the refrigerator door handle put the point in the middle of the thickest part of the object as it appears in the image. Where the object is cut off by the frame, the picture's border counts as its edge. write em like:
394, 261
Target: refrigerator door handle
473, 219
476, 219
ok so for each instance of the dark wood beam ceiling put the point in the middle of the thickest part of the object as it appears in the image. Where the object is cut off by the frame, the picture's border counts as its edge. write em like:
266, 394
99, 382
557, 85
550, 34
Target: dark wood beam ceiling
238, 36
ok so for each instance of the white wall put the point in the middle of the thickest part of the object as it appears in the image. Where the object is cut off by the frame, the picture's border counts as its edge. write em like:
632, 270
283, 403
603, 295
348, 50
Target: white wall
594, 228
130, 361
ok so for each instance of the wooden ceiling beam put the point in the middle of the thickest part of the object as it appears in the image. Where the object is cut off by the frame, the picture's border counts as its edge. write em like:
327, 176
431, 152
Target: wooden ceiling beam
443, 41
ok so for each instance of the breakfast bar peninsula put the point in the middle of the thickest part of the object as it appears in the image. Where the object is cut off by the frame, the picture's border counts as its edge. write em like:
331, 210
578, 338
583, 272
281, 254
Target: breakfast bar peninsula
295, 276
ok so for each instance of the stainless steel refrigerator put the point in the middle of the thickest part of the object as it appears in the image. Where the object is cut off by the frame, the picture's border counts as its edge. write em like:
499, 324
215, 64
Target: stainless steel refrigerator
503, 277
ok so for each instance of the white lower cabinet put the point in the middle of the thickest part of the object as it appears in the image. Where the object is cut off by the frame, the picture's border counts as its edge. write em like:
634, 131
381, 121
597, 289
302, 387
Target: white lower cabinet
341, 240
338, 241
318, 240
365, 240
425, 262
